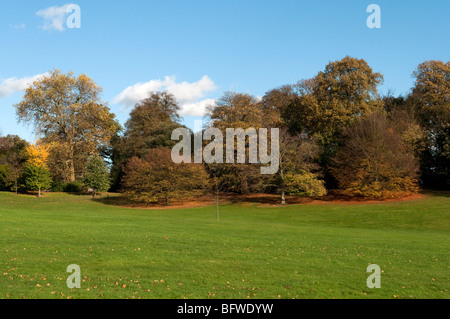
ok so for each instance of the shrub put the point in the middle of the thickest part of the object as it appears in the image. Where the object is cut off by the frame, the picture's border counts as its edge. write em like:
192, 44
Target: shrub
4, 170
57, 186
74, 187
305, 184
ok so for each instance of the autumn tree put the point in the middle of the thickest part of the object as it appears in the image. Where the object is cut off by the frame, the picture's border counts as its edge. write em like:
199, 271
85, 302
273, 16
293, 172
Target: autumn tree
12, 158
298, 172
374, 161
156, 178
35, 175
275, 102
150, 125
67, 110
406, 121
430, 98
97, 175
238, 110
37, 154
333, 100
60, 167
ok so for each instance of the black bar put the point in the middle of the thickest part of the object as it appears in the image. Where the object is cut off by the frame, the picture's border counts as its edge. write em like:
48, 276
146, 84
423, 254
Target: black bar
225, 308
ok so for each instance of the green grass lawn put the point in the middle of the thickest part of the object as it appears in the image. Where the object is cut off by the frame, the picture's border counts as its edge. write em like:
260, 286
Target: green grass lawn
298, 251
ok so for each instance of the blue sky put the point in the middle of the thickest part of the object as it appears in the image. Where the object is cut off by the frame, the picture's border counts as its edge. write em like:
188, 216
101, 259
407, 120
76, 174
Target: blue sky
200, 49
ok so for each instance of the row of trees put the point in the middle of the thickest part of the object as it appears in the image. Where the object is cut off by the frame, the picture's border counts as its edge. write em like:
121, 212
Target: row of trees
24, 167
336, 131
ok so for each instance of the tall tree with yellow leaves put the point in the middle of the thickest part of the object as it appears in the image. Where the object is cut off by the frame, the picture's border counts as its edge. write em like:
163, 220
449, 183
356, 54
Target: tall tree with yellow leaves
68, 110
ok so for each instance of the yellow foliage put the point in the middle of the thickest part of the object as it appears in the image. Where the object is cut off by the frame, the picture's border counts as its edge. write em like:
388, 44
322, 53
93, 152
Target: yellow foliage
37, 154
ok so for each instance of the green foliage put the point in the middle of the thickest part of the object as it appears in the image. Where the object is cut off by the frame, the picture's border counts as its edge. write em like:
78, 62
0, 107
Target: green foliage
67, 187
57, 186
12, 148
74, 187
12, 156
35, 178
97, 174
4, 171
150, 125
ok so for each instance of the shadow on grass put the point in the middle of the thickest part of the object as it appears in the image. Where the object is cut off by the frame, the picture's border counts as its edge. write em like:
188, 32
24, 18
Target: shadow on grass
47, 194
205, 200
333, 196
436, 192
118, 199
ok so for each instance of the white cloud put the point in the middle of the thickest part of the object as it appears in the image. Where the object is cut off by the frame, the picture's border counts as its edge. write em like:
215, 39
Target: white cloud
54, 17
12, 85
197, 108
189, 95
20, 26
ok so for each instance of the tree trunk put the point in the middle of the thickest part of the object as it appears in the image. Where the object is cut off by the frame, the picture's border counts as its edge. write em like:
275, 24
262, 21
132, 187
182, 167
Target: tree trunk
39, 192
72, 152
16, 185
217, 204
244, 185
72, 171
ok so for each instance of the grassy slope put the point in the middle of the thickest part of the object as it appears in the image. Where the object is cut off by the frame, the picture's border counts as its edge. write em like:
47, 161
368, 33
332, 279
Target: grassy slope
302, 251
